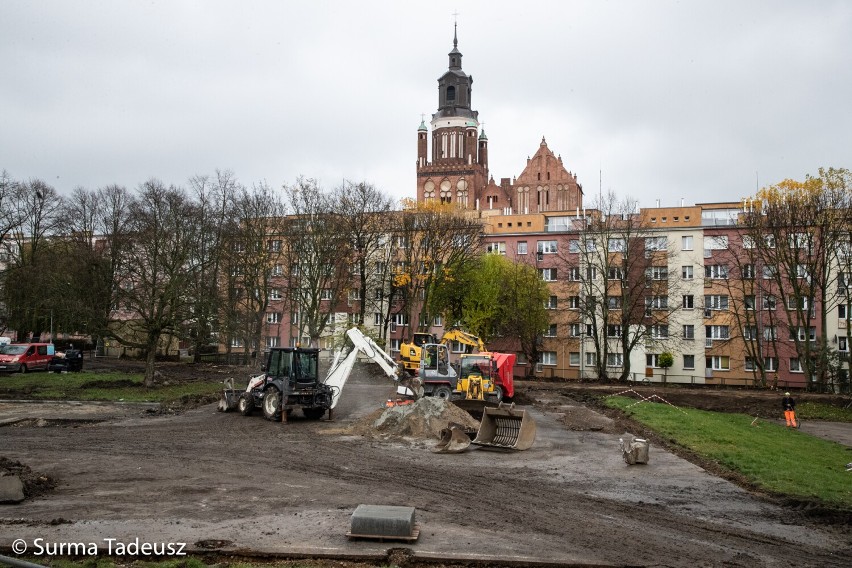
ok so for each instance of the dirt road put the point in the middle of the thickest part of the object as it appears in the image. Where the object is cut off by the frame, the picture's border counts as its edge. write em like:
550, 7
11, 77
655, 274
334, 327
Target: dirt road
226, 481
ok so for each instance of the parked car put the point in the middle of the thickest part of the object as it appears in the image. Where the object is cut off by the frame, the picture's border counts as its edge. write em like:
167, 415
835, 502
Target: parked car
25, 357
70, 360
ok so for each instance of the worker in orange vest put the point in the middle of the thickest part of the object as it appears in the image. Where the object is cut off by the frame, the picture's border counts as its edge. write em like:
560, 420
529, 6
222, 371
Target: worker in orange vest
788, 403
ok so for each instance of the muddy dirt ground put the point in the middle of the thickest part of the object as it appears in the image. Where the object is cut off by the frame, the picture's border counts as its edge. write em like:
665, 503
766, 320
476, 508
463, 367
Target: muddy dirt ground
234, 485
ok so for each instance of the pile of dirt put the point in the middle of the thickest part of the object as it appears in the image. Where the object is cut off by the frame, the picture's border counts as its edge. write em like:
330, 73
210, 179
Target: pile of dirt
35, 483
424, 418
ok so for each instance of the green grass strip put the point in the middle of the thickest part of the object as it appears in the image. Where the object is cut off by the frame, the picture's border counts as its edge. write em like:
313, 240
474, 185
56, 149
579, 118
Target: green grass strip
98, 387
777, 459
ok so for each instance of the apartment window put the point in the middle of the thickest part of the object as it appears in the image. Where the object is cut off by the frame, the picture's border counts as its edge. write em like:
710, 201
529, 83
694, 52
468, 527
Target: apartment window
652, 360
378, 294
399, 319
656, 303
574, 246
355, 294
377, 318
615, 245
795, 365
275, 246
591, 273
749, 364
574, 358
716, 243
237, 342
802, 271
717, 331
380, 267
719, 363
750, 332
686, 243
547, 274
770, 333
591, 359
548, 357
770, 363
551, 303
769, 272
356, 319
272, 342
574, 274
842, 310
277, 270
657, 273
394, 345
546, 247
656, 243
768, 302
573, 302
688, 331
325, 294
842, 344
615, 359
716, 302
496, 248
748, 271
688, 302
615, 273
575, 330
273, 317
613, 302
803, 333
522, 247
748, 242
551, 331
613, 330
401, 241
274, 294
748, 302
660, 331
716, 271
686, 272
438, 321
689, 361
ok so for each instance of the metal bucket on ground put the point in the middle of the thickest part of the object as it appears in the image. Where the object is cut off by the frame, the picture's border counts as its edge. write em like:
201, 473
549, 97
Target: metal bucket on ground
506, 427
636, 451
230, 397
454, 440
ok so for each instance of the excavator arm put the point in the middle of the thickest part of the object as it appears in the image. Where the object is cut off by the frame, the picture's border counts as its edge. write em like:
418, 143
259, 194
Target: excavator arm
344, 361
464, 338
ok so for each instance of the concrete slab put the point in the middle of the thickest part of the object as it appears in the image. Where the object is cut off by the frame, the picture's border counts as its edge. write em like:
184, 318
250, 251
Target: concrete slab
11, 489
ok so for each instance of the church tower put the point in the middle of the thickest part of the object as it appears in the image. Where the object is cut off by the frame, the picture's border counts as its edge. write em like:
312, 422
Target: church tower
457, 169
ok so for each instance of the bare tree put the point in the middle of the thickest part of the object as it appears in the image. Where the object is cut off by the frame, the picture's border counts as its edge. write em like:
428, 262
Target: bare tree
157, 271
318, 250
429, 239
214, 198
626, 295
363, 211
252, 255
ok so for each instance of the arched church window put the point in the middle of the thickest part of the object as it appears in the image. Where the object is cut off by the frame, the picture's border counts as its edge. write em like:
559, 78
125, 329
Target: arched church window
451, 93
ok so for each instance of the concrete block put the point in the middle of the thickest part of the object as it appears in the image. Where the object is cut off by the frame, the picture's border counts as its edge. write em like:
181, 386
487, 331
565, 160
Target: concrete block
383, 521
11, 489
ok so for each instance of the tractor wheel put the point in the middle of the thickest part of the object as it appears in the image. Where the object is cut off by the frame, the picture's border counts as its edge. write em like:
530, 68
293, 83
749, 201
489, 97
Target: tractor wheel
443, 392
245, 404
313, 413
272, 404
497, 395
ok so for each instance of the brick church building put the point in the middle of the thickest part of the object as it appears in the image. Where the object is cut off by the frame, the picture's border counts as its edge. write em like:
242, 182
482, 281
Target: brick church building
456, 170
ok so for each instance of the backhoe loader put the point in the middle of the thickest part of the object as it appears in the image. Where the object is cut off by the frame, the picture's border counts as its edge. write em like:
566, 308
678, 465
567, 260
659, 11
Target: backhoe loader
291, 380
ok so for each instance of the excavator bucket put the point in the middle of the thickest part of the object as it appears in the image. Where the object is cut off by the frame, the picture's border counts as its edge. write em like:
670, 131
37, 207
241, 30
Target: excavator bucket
505, 427
454, 440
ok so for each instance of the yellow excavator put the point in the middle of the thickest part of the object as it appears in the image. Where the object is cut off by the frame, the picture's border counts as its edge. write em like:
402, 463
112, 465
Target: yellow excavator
411, 352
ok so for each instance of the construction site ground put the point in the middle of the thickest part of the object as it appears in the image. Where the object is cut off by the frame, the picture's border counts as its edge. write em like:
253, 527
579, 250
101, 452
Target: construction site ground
233, 486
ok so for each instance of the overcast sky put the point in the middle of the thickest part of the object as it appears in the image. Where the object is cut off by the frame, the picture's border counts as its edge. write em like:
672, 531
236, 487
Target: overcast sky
694, 100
